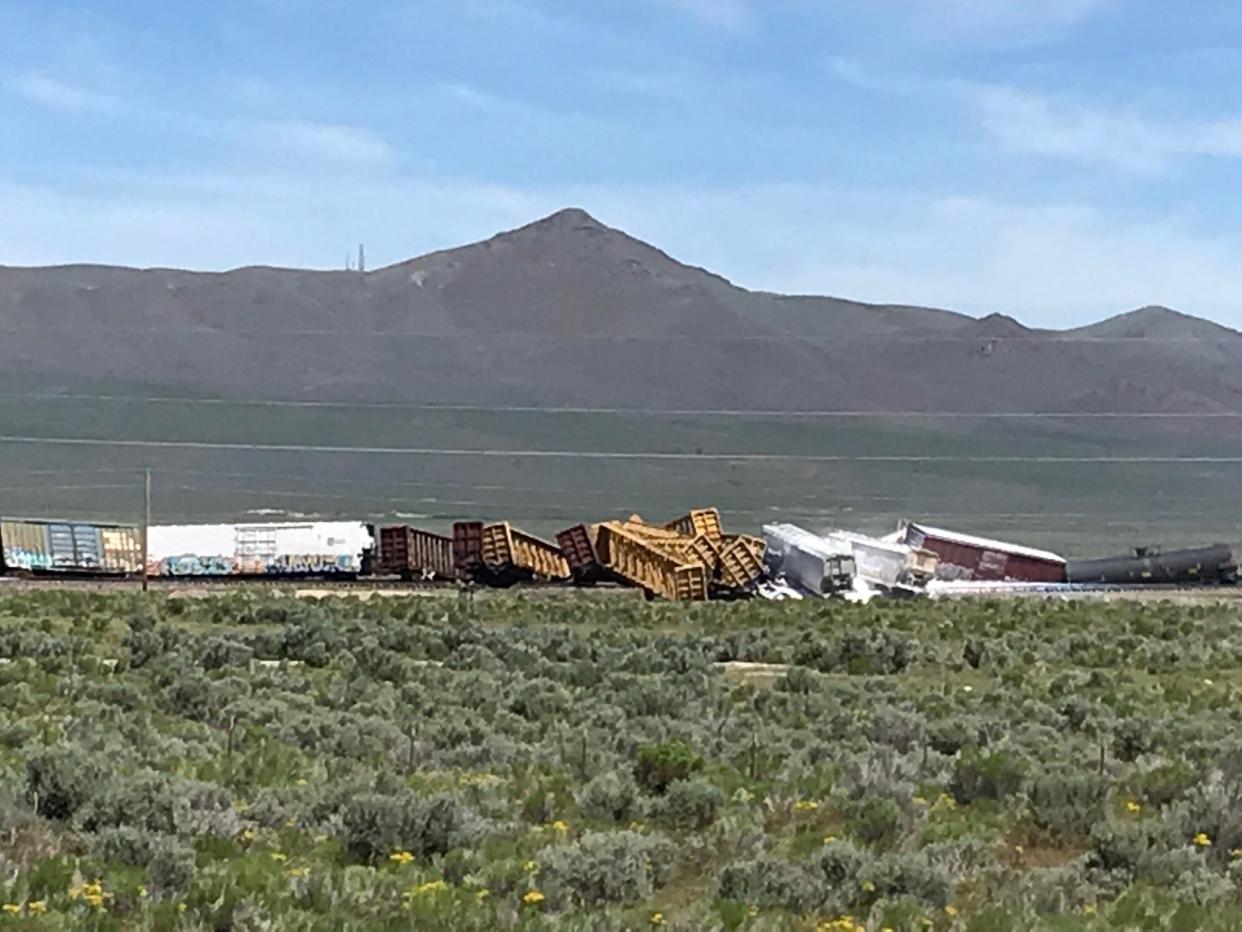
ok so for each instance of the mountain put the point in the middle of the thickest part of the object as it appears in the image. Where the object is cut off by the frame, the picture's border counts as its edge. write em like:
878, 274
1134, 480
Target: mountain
568, 311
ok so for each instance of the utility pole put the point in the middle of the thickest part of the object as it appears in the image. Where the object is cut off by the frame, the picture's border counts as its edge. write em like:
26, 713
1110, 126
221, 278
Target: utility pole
146, 525
362, 259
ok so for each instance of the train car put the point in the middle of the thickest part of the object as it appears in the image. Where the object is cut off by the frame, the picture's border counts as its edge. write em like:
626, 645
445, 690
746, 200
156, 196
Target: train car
966, 557
414, 554
889, 564
634, 559
1213, 565
38, 547
577, 546
292, 549
808, 561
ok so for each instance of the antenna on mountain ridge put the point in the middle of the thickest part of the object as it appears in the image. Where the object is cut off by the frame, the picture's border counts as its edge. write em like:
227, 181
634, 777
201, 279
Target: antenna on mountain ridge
362, 259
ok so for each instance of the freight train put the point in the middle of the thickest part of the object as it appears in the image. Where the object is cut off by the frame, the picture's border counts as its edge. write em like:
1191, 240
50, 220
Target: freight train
689, 558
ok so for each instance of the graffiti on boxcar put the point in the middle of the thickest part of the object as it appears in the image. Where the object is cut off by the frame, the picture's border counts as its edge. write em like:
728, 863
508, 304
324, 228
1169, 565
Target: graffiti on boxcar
19, 558
191, 565
284, 565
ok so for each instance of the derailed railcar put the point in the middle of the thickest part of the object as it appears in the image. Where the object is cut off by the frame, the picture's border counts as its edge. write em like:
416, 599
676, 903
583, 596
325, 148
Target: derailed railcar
967, 557
39, 547
1214, 565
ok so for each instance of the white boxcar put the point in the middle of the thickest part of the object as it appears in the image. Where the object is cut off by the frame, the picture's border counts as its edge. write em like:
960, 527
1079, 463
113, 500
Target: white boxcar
887, 563
295, 548
808, 561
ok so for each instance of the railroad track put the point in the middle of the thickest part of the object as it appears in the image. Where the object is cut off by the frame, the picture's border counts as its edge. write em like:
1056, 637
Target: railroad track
326, 585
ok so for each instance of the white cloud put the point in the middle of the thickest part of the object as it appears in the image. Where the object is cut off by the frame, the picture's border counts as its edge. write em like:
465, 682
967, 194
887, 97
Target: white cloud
473, 97
729, 15
55, 94
326, 142
1061, 128
1028, 123
1007, 22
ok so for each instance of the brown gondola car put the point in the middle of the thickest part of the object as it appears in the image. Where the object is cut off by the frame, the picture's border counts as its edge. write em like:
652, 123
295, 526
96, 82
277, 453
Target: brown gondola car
415, 554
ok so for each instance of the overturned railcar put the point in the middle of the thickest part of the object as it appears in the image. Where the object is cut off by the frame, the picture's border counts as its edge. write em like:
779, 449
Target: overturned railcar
1213, 565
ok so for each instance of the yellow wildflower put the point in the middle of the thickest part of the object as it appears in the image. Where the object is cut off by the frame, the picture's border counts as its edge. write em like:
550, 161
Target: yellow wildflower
531, 867
180, 907
1235, 852
95, 899
869, 886
1089, 909
75, 892
1132, 806
753, 912
1202, 840
143, 892
481, 895
560, 827
38, 907
249, 835
806, 805
279, 856
951, 911
887, 929
429, 888
636, 826
401, 857
290, 823
829, 839
12, 908
533, 898
95, 888
657, 919
300, 781
298, 872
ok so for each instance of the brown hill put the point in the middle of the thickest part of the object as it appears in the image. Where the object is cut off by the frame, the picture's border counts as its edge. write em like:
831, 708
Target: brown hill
568, 311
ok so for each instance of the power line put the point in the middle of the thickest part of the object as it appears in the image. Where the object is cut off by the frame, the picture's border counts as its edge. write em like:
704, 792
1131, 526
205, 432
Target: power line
617, 454
652, 412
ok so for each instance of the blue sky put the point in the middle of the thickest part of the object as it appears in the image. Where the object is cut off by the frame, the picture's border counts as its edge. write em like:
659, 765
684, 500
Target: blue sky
1058, 160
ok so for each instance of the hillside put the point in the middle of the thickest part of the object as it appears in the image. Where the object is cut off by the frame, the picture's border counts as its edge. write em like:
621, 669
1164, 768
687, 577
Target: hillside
569, 311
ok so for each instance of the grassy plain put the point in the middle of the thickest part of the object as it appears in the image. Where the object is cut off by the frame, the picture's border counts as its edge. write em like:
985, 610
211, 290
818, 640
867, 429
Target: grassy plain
253, 761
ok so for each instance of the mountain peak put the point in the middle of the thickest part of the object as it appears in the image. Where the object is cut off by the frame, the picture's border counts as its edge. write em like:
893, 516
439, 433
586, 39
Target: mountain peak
1155, 322
566, 218
1000, 325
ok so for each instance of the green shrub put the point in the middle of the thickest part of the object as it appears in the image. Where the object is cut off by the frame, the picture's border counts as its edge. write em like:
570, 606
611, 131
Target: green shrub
659, 765
977, 775
60, 780
611, 796
770, 882
838, 867
692, 804
1067, 805
375, 825
910, 874
874, 820
1164, 784
604, 867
